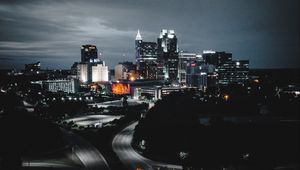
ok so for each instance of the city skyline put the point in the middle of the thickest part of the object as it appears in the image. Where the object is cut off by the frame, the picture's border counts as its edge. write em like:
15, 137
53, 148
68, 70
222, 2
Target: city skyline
265, 32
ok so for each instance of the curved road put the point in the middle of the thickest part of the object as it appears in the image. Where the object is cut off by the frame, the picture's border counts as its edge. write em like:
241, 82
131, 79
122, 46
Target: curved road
90, 157
130, 158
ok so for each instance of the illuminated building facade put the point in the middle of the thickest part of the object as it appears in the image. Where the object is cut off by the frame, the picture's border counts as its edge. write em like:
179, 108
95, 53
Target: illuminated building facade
125, 71
229, 71
93, 72
65, 85
91, 69
186, 58
83, 72
167, 55
146, 58
201, 75
120, 88
99, 72
236, 71
120, 72
216, 58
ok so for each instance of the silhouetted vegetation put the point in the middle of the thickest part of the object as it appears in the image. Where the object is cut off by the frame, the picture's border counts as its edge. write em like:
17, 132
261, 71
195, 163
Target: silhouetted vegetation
23, 134
233, 133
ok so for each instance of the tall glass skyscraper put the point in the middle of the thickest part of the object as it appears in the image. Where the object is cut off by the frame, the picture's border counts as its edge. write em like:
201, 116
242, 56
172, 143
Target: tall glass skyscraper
146, 58
167, 55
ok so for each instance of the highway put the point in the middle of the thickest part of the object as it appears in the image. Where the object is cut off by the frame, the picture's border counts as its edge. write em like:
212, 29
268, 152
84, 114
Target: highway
47, 165
87, 154
92, 119
90, 157
130, 158
115, 103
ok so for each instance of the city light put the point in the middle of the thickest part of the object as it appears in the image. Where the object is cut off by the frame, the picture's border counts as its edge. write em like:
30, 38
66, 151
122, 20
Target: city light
120, 88
226, 97
161, 95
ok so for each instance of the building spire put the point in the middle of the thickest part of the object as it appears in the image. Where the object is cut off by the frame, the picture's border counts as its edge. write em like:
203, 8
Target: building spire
138, 36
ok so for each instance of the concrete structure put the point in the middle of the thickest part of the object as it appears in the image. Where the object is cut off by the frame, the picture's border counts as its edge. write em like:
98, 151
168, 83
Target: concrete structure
91, 69
125, 70
99, 72
83, 72
120, 72
92, 72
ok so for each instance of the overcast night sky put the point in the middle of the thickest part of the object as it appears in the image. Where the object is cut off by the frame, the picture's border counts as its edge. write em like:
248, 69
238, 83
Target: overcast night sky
264, 31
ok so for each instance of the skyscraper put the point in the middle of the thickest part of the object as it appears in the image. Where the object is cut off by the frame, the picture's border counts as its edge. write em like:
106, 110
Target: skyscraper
186, 58
216, 58
167, 55
91, 68
146, 58
236, 71
229, 71
89, 53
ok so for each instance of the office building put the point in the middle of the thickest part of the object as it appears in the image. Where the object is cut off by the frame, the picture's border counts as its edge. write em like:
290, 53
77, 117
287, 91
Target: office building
84, 73
93, 72
120, 72
201, 75
186, 58
89, 53
236, 71
216, 58
125, 71
167, 56
99, 72
146, 58
57, 85
91, 69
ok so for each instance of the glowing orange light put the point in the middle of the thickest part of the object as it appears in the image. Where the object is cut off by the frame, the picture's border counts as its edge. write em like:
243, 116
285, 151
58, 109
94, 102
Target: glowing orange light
226, 97
120, 88
131, 78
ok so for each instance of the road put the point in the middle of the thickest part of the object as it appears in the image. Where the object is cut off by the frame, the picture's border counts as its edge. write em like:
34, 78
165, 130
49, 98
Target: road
130, 158
92, 119
115, 103
90, 157
87, 154
47, 165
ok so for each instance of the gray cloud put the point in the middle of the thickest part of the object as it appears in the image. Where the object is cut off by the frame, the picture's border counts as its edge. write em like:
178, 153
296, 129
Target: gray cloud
264, 31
